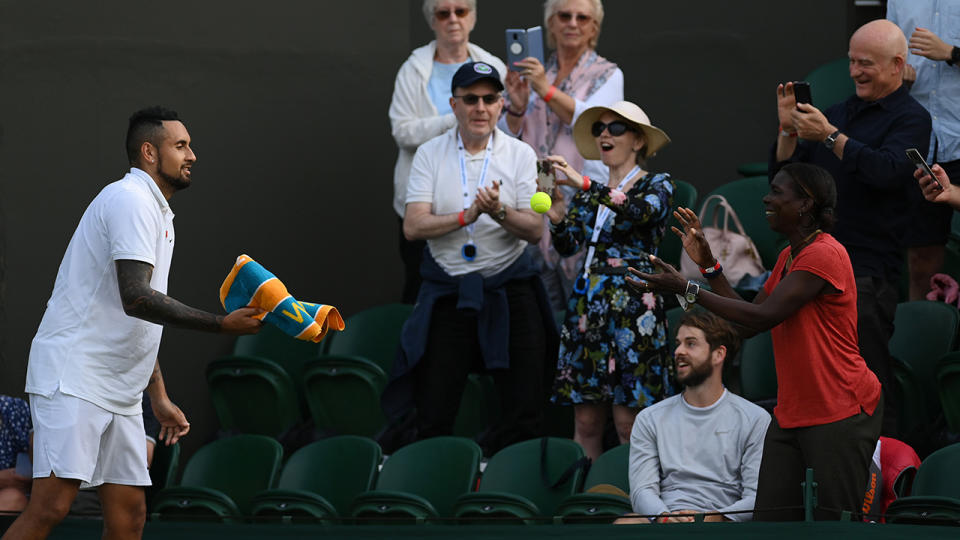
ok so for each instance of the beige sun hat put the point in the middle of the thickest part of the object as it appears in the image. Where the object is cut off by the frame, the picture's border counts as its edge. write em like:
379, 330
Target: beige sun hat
587, 144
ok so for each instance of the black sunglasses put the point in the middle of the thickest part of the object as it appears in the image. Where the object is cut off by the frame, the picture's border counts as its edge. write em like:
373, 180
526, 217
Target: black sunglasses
616, 128
444, 14
472, 99
565, 17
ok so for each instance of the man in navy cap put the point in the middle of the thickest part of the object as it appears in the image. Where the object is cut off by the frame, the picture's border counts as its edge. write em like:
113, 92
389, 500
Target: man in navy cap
481, 306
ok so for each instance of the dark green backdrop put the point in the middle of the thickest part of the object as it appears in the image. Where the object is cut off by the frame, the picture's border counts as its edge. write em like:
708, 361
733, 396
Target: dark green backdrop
287, 105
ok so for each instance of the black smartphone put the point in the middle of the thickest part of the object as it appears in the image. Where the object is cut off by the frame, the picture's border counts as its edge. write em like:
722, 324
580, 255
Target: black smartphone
801, 91
921, 163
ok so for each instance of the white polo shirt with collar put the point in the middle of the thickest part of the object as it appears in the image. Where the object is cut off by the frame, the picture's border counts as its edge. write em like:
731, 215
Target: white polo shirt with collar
86, 345
435, 178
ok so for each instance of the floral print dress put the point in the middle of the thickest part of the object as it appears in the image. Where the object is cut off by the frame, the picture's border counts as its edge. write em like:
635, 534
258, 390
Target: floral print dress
613, 344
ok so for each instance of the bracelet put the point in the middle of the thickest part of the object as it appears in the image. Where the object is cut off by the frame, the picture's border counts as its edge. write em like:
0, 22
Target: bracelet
549, 95
586, 183
460, 219
785, 133
713, 271
511, 113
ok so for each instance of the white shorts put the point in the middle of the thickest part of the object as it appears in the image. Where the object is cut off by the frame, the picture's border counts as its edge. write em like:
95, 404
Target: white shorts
73, 438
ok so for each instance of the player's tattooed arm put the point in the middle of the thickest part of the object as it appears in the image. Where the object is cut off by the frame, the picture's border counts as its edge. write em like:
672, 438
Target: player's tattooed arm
140, 300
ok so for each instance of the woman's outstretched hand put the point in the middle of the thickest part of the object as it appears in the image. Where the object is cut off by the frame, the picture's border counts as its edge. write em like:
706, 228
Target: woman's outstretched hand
691, 235
668, 280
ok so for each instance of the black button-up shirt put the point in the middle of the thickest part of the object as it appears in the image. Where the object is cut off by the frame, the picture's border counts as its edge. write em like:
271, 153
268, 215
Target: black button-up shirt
874, 178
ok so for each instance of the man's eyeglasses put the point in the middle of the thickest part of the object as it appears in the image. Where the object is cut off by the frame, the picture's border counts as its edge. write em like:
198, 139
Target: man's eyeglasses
444, 14
472, 99
565, 16
616, 128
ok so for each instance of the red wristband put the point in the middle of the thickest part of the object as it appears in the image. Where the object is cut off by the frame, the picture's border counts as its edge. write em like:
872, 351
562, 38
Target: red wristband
460, 219
586, 183
549, 95
785, 133
713, 270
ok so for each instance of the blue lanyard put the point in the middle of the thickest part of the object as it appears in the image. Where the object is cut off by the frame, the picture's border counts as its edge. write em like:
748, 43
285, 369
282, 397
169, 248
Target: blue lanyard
467, 198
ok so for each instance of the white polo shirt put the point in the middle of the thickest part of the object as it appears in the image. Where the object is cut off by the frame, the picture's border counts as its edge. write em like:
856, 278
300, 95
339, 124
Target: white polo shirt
86, 345
435, 178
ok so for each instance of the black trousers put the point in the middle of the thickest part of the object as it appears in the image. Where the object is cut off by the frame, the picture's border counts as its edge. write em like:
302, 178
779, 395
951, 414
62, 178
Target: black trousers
411, 253
876, 306
839, 453
453, 351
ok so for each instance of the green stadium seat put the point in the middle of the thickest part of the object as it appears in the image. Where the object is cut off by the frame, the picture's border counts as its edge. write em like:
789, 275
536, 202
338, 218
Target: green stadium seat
343, 394
252, 395
935, 496
517, 481
924, 331
948, 384
830, 83
753, 168
320, 481
670, 246
745, 196
288, 352
758, 371
611, 468
220, 480
373, 334
421, 480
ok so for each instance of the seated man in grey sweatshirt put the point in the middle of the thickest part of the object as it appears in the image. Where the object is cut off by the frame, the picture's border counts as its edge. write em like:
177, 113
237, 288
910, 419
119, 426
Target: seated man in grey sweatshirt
697, 452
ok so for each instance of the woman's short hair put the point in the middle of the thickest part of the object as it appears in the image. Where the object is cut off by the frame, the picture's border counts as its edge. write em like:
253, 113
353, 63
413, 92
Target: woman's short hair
717, 331
429, 6
550, 8
817, 183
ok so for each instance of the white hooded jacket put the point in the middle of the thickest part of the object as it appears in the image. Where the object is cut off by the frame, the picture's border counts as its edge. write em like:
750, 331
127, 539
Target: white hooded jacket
413, 117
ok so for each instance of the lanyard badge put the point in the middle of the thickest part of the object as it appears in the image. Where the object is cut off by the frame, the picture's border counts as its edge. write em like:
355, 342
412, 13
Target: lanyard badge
469, 250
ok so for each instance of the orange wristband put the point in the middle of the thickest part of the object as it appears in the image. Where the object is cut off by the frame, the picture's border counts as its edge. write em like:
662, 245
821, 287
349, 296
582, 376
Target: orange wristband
549, 95
460, 219
586, 183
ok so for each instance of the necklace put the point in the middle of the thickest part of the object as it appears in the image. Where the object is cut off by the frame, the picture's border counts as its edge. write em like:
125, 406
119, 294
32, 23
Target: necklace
800, 246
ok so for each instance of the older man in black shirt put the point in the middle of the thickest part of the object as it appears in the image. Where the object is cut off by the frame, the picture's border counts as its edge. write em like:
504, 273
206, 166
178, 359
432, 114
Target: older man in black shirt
861, 141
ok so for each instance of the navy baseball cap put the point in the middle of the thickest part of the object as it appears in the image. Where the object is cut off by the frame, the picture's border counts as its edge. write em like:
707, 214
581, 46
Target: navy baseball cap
472, 72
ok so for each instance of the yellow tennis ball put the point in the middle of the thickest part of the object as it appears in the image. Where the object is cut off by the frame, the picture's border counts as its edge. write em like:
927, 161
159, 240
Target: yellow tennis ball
540, 202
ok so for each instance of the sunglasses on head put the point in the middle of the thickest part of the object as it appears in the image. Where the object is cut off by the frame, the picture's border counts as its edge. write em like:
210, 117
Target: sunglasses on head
565, 17
472, 99
444, 14
616, 128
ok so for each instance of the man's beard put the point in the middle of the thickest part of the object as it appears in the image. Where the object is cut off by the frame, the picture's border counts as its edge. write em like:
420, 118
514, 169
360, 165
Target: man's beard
177, 182
697, 375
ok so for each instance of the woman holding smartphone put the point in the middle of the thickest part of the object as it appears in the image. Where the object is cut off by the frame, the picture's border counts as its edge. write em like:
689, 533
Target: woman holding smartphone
829, 405
545, 100
613, 348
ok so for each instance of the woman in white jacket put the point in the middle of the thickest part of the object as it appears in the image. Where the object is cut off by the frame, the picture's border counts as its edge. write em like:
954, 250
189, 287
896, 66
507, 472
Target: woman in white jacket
420, 108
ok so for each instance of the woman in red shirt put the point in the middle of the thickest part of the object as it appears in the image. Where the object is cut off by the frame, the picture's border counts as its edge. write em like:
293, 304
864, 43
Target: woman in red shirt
827, 415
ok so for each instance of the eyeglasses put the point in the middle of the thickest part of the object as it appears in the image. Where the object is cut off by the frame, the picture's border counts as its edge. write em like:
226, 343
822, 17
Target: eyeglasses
565, 16
472, 99
444, 14
616, 128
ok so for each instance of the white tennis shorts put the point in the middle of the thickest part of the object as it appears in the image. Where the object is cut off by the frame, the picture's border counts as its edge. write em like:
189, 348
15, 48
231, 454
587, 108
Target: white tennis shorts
73, 438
